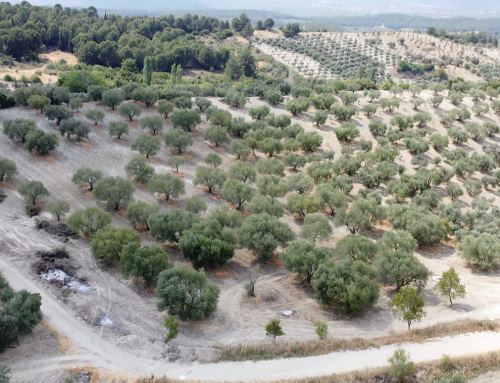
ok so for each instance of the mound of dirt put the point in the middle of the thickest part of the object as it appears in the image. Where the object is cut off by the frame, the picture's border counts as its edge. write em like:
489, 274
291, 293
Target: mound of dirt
56, 253
56, 228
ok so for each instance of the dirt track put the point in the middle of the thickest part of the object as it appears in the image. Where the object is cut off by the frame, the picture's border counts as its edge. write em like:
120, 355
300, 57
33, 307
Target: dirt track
97, 352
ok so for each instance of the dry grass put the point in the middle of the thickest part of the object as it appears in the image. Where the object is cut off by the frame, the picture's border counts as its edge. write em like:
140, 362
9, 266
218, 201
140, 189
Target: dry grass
7, 185
221, 274
98, 375
468, 366
310, 348
65, 345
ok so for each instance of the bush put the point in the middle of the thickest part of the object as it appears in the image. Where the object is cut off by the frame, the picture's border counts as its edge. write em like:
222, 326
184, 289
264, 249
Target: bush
187, 293
321, 329
274, 329
401, 365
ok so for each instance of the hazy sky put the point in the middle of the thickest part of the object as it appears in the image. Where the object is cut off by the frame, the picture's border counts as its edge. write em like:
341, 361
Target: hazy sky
429, 7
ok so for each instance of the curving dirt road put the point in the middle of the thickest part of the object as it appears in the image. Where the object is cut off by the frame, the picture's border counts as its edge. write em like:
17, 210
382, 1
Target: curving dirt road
99, 353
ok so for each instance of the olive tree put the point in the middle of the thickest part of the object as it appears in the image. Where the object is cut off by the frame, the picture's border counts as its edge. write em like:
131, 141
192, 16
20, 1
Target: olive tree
129, 110
356, 248
146, 262
166, 184
215, 134
240, 149
263, 233
38, 102
139, 212
114, 191
139, 169
7, 169
88, 221
294, 161
209, 177
112, 98
195, 205
304, 257
237, 193
95, 115
400, 268
32, 190
117, 128
18, 129
265, 204
178, 139
332, 198
152, 123
242, 171
58, 208
187, 293
208, 243
315, 226
165, 107
57, 113
146, 144
185, 119
348, 286
107, 243
482, 251
175, 161
87, 176
170, 226
72, 127
213, 159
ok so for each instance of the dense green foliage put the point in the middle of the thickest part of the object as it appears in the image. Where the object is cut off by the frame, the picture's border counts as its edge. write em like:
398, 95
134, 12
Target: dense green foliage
19, 314
187, 293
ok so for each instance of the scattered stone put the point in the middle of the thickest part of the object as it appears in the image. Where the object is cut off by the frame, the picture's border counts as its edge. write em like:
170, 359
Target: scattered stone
286, 313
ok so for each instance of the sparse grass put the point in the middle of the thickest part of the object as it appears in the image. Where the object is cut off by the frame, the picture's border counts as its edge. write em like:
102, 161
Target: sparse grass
302, 349
468, 366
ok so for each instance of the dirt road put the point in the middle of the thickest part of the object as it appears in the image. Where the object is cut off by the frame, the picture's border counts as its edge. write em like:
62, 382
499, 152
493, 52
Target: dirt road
98, 352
